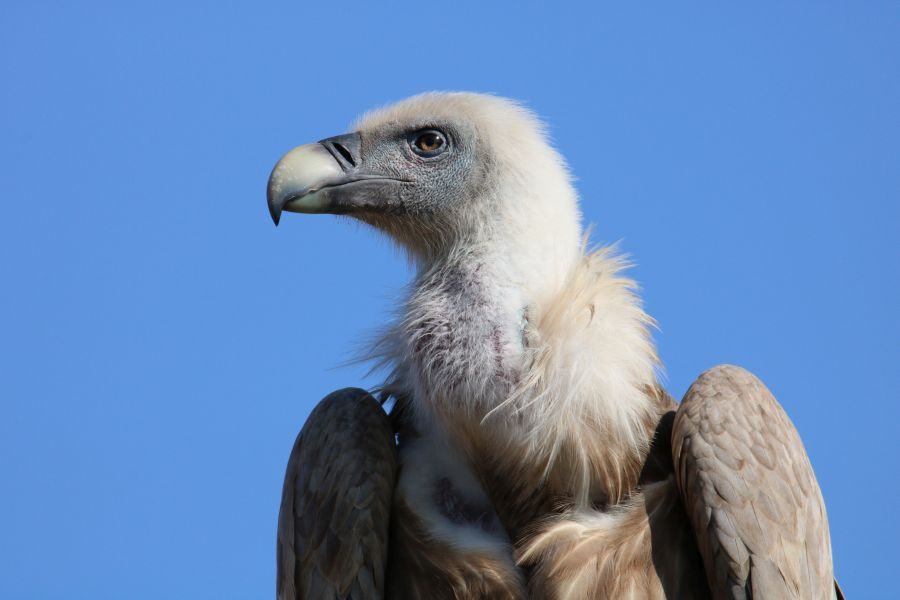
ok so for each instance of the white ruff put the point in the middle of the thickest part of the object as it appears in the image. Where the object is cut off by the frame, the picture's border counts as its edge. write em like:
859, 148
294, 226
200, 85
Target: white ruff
581, 393
590, 371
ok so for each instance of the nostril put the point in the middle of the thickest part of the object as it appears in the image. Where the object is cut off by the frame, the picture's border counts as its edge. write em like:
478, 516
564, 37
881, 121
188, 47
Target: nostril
345, 153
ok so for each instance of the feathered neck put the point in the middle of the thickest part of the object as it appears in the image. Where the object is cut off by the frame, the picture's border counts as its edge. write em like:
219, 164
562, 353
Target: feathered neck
557, 389
588, 398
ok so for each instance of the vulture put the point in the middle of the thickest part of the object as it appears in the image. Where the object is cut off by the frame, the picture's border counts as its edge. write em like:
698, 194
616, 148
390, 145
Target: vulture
529, 450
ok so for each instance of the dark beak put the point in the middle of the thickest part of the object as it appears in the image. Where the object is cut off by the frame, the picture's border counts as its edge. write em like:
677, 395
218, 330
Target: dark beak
328, 177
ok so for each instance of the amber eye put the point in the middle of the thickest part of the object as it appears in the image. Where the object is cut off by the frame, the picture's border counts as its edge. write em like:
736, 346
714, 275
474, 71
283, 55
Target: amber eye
428, 143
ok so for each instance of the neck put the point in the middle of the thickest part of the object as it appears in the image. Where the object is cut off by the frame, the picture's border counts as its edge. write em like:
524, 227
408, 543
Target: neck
549, 385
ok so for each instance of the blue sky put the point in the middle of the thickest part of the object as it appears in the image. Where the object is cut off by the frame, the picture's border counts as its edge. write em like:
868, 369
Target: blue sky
161, 342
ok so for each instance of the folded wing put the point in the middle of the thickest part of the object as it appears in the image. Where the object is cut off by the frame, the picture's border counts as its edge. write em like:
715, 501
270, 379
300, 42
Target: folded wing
336, 501
750, 491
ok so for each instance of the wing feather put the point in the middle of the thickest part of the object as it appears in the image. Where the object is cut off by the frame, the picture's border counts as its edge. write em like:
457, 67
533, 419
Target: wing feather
336, 502
750, 491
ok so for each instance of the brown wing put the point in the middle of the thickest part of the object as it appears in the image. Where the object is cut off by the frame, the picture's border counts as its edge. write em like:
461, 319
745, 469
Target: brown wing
335, 505
750, 492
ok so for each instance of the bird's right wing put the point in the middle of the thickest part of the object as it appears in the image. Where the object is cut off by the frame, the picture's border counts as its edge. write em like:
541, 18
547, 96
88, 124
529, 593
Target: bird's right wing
750, 492
336, 502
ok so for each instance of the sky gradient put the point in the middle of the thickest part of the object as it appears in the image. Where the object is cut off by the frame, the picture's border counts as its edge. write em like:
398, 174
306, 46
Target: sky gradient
161, 343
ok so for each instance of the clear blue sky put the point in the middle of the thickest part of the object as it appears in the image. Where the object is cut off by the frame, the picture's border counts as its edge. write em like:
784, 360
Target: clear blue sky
161, 342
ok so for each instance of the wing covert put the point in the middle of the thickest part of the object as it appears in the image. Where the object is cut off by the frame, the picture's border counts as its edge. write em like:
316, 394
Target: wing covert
336, 502
750, 491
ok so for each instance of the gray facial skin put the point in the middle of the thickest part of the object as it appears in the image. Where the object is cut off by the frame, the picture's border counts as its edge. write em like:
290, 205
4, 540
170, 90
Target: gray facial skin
379, 177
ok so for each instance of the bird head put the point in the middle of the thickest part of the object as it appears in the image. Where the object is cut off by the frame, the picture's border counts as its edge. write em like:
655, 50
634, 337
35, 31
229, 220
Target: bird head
438, 171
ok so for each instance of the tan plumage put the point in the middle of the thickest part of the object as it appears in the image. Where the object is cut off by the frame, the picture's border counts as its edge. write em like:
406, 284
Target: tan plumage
755, 524
422, 567
751, 494
538, 457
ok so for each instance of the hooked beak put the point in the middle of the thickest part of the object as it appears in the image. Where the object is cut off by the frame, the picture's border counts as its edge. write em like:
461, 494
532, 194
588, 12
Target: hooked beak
328, 177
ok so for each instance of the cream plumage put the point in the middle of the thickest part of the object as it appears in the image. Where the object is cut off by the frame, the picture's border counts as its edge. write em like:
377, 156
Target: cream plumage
537, 455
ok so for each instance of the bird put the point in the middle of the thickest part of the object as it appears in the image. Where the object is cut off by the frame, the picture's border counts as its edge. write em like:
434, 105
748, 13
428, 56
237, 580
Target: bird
521, 445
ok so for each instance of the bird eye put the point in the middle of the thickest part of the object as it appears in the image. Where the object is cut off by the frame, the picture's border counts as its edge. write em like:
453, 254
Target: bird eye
428, 143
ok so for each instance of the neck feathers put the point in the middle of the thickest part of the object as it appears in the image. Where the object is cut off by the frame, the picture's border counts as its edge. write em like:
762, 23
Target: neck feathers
586, 401
559, 392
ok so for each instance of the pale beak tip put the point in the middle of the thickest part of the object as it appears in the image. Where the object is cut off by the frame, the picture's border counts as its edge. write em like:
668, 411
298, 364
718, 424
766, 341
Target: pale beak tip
299, 172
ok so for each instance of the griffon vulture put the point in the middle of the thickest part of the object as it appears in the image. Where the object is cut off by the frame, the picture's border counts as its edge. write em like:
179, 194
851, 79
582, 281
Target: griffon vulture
529, 451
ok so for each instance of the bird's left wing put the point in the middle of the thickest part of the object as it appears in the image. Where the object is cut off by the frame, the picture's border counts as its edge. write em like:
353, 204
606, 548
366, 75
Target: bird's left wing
336, 502
750, 492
